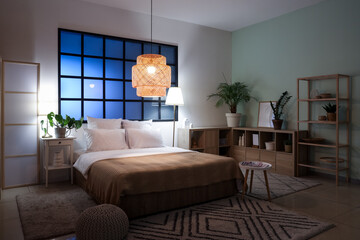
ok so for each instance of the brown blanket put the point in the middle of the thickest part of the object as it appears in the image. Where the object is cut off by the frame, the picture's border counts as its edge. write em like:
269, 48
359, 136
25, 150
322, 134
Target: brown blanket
110, 179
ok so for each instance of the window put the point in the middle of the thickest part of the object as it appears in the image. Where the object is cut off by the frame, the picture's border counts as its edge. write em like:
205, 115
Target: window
95, 77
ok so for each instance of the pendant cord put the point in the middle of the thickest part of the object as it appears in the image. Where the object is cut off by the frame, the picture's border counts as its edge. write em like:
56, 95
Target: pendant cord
151, 25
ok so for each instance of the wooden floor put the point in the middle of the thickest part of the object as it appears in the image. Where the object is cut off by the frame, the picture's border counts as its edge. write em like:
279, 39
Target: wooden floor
339, 205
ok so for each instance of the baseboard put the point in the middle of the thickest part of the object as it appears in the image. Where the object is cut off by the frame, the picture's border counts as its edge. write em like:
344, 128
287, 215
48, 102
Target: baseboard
333, 177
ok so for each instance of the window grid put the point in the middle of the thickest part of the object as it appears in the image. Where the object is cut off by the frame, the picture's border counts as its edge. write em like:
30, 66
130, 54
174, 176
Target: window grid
83, 57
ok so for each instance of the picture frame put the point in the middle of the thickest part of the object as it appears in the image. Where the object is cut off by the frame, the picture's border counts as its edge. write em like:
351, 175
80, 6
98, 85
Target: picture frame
265, 115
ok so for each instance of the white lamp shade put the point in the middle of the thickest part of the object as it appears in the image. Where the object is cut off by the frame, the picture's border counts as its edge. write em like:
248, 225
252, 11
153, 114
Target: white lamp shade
174, 97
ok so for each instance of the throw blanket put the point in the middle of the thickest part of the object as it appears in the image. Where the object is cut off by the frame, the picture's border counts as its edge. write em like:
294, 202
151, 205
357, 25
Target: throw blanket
110, 179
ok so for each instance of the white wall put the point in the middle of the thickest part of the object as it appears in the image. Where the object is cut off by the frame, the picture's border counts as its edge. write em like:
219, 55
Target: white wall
28, 31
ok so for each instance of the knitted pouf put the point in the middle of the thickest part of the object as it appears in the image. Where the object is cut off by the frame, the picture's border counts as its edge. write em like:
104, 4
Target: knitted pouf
105, 222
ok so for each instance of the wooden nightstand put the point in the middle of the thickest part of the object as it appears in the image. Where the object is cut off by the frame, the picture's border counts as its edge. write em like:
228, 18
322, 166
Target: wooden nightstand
57, 153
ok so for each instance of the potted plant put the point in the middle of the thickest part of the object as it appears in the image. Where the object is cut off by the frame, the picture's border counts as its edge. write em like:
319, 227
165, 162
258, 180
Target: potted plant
288, 145
232, 94
278, 109
330, 111
63, 125
45, 129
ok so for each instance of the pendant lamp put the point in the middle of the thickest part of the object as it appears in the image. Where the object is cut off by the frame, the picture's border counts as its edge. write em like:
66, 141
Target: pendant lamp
151, 76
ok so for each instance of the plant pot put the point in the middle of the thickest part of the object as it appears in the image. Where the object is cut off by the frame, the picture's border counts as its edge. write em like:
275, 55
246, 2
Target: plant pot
277, 123
233, 119
331, 116
270, 146
288, 148
60, 132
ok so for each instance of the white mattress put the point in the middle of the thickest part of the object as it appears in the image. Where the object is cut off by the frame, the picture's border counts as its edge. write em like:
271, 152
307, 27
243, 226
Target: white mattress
84, 160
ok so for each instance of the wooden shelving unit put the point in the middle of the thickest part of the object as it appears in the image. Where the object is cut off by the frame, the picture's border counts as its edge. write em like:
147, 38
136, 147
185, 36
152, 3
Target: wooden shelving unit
341, 142
282, 162
225, 141
214, 140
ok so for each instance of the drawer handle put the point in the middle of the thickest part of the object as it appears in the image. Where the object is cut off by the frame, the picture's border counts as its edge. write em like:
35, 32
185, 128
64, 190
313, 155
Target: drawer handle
59, 142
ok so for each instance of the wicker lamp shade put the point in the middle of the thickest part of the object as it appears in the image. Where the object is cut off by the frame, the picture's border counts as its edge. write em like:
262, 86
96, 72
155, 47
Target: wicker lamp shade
151, 76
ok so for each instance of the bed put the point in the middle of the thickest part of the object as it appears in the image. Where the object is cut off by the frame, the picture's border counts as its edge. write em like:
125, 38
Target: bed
147, 180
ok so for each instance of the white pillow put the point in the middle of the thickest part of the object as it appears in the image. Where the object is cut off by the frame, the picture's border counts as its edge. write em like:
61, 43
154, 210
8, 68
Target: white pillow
100, 123
136, 124
105, 139
144, 138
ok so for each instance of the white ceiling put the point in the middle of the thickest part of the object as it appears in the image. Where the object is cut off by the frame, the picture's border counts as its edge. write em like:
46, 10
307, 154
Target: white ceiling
229, 15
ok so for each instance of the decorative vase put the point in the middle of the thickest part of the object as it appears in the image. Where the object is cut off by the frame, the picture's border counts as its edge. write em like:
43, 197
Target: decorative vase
331, 116
45, 129
60, 132
288, 148
233, 119
277, 123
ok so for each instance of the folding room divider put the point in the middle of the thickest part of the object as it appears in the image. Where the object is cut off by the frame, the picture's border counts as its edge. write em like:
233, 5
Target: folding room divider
19, 124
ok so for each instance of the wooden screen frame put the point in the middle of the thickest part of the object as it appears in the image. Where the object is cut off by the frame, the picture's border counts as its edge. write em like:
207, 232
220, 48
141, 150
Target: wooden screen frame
37, 155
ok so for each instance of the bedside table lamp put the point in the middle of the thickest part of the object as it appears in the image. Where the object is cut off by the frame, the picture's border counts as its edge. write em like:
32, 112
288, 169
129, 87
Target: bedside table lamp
174, 98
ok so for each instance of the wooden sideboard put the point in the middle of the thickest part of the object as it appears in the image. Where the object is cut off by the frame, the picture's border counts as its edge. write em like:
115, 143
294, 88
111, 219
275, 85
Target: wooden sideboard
282, 162
215, 140
225, 141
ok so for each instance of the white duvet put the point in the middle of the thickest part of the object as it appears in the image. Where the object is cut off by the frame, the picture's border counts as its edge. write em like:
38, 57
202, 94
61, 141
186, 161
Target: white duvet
85, 160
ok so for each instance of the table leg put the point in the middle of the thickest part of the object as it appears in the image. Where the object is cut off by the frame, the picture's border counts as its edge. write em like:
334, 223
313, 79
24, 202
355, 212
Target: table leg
46, 159
251, 179
267, 185
46, 177
244, 186
71, 163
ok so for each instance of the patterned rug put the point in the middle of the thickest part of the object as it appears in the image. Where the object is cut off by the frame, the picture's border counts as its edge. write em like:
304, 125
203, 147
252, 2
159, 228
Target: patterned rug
229, 218
280, 185
51, 214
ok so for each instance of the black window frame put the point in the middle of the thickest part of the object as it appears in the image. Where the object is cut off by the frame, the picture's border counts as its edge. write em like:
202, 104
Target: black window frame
160, 101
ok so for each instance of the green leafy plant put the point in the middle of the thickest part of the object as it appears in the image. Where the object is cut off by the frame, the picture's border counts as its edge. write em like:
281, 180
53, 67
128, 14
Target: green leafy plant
330, 108
69, 123
231, 94
43, 128
278, 107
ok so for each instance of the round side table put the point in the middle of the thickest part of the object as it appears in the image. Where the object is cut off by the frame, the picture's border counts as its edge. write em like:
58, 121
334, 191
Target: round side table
254, 165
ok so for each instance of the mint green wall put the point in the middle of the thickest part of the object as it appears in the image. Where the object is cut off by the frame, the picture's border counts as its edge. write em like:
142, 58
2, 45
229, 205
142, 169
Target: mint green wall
318, 40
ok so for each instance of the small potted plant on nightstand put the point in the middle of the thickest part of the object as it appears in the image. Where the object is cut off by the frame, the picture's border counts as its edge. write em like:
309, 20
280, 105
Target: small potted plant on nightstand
63, 125
278, 108
45, 129
232, 94
330, 111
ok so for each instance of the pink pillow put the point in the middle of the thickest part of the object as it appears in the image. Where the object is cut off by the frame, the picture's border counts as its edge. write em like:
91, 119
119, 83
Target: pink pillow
101, 123
136, 124
105, 139
144, 138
